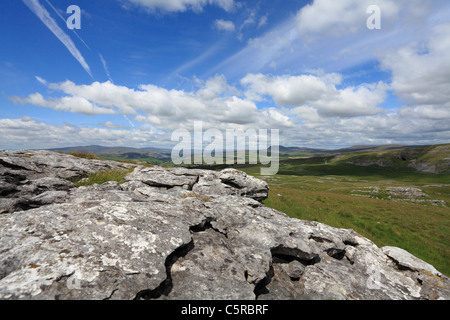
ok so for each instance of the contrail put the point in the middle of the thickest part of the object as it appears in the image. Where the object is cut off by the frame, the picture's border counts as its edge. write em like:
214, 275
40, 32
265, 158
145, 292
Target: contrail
129, 121
62, 18
50, 23
105, 66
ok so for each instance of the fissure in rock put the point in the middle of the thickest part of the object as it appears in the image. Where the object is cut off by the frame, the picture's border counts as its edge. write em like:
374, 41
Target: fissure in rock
284, 255
205, 225
166, 286
335, 253
261, 286
232, 184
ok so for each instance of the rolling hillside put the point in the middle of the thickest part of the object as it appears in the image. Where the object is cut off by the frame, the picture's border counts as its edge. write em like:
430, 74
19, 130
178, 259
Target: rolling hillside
144, 155
427, 159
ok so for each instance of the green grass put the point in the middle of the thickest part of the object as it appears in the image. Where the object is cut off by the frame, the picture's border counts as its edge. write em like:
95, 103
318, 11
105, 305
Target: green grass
419, 229
84, 155
102, 177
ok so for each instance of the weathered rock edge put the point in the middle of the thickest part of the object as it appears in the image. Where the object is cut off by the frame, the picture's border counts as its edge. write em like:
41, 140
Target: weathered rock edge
181, 234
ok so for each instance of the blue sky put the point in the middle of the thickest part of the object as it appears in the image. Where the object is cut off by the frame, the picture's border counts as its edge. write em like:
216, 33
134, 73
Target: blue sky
139, 69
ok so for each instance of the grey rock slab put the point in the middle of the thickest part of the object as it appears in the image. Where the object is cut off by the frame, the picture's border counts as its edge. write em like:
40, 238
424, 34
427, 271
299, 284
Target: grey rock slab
249, 186
209, 271
404, 259
87, 251
231, 182
226, 182
26, 174
160, 177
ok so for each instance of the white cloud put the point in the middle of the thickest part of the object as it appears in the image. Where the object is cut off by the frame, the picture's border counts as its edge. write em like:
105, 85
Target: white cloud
25, 133
315, 109
352, 101
181, 5
215, 87
42, 81
215, 102
224, 25
426, 112
50, 23
406, 126
70, 104
333, 35
111, 125
421, 72
262, 21
237, 110
342, 17
285, 90
318, 92
279, 118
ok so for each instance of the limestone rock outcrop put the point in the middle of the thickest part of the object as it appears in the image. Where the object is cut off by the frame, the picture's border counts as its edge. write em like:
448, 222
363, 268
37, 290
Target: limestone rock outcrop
29, 179
180, 234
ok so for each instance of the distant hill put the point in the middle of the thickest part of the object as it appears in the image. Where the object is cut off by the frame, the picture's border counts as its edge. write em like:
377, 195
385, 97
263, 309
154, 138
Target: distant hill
431, 159
145, 155
300, 150
315, 151
103, 150
369, 148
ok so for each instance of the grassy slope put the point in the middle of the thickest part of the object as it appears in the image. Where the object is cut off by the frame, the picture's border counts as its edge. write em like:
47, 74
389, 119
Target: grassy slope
320, 190
438, 156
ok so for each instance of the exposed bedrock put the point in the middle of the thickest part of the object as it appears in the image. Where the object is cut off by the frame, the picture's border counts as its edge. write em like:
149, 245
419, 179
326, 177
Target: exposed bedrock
180, 234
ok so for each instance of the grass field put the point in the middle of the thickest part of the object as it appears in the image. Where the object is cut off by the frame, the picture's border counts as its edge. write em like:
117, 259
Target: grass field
347, 196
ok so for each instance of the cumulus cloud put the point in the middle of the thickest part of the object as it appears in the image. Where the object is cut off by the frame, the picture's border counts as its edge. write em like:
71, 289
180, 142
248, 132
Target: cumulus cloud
70, 104
316, 109
215, 102
24, 133
319, 93
181, 5
421, 72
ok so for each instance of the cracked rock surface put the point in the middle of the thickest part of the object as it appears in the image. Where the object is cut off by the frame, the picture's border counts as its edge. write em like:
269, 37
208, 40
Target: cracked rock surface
29, 179
182, 234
